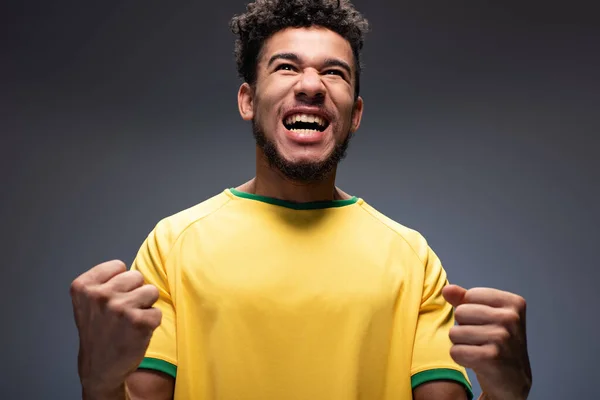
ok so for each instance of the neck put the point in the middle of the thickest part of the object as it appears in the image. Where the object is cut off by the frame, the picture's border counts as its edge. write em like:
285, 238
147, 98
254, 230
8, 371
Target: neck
270, 182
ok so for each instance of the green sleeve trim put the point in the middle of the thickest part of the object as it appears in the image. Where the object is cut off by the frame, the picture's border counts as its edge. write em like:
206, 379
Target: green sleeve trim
159, 365
442, 374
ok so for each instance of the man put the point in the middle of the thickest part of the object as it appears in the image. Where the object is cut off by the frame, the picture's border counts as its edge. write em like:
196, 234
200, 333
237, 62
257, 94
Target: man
287, 287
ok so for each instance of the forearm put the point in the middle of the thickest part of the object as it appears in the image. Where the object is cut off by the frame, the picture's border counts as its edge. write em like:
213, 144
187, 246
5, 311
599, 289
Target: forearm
520, 396
116, 394
483, 396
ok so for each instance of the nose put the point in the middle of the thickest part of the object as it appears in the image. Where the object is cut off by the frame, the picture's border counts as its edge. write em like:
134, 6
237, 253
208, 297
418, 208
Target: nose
310, 85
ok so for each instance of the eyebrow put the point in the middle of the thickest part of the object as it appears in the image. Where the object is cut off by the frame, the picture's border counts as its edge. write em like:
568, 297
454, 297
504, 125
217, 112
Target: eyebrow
329, 62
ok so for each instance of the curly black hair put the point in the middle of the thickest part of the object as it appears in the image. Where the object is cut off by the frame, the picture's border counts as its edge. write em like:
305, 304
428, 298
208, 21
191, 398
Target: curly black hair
264, 18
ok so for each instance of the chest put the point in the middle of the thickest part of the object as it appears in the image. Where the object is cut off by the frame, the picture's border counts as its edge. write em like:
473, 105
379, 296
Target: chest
317, 272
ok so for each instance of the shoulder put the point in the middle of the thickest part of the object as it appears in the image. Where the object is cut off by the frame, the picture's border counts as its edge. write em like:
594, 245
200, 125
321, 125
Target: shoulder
171, 227
412, 237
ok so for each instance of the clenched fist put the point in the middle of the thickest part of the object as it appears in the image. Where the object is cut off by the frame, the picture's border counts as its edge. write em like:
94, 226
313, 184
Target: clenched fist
115, 319
490, 339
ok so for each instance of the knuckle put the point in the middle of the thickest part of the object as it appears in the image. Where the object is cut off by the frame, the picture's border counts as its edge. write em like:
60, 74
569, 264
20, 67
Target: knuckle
494, 353
475, 294
143, 321
98, 295
455, 352
459, 313
135, 276
137, 320
469, 294
509, 317
116, 265
117, 307
153, 292
454, 332
156, 318
109, 268
119, 264
77, 287
502, 336
150, 293
458, 354
520, 303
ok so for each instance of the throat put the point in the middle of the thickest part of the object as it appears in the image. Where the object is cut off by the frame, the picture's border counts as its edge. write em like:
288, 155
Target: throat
277, 187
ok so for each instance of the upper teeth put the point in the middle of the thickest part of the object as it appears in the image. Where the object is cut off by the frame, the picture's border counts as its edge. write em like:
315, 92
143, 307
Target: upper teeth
305, 118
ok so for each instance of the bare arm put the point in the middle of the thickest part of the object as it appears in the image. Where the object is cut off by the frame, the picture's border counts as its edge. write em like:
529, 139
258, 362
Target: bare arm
440, 390
150, 385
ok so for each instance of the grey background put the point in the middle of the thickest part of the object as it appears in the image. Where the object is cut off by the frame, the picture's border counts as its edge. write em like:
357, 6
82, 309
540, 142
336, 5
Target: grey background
480, 131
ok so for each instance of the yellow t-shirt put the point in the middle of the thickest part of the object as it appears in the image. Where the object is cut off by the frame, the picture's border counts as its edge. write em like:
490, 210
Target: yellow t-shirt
264, 299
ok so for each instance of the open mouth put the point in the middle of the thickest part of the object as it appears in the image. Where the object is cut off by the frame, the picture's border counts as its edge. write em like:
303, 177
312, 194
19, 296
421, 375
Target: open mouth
305, 122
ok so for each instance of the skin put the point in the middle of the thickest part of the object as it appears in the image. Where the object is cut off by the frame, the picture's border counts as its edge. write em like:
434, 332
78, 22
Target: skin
490, 337
491, 340
115, 319
307, 80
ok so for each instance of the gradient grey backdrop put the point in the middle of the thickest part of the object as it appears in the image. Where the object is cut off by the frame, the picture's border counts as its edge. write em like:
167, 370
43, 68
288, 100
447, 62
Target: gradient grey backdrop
480, 131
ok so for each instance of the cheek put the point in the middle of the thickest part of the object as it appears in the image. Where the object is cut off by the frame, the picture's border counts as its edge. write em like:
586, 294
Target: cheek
346, 112
266, 111
343, 101
263, 113
273, 90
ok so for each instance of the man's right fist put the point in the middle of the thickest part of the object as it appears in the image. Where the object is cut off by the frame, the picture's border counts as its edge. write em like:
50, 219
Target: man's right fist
115, 320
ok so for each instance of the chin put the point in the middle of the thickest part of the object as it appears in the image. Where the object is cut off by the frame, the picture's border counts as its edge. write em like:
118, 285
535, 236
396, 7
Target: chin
302, 161
305, 154
308, 165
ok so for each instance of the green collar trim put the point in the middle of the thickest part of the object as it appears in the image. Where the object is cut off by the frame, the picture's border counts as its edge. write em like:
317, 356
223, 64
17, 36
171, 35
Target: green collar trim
314, 205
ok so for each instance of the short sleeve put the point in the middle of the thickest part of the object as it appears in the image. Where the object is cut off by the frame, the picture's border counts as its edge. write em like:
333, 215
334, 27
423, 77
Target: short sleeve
150, 262
431, 354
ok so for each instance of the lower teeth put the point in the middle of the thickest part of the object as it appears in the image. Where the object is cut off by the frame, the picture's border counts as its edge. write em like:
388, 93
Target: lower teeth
304, 131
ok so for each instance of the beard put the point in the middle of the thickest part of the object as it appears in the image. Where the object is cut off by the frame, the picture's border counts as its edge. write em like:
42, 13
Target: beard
303, 171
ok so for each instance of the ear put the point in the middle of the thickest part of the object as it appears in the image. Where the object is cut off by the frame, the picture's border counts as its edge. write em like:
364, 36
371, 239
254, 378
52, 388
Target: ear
246, 101
357, 114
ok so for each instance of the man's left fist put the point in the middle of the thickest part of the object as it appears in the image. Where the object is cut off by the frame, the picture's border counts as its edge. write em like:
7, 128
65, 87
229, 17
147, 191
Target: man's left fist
491, 340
